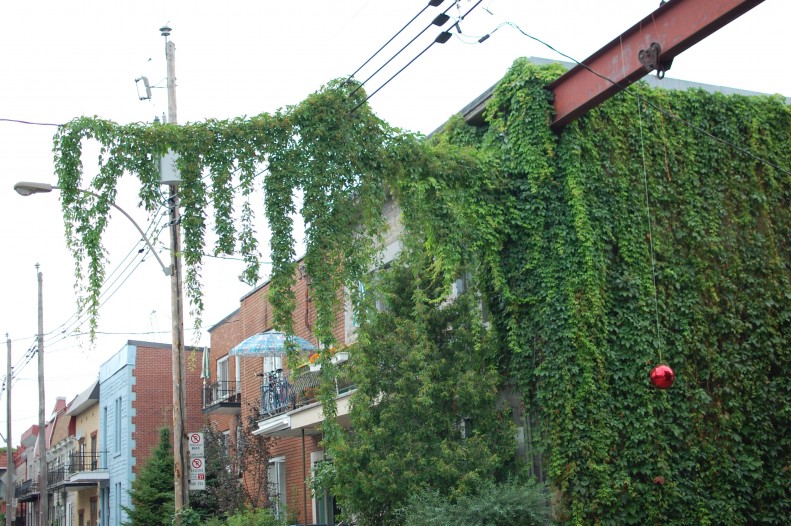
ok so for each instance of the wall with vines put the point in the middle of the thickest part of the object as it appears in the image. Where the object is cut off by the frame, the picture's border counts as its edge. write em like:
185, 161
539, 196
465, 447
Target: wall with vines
587, 309
585, 296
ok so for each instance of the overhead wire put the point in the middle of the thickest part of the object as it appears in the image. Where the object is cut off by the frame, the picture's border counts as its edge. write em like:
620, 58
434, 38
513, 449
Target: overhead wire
77, 317
434, 22
32, 123
432, 3
441, 38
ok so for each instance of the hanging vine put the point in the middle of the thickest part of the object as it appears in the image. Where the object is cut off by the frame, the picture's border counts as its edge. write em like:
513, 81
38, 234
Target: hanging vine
336, 159
554, 228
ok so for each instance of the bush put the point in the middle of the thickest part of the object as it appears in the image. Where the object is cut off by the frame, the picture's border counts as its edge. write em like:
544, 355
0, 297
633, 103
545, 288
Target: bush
506, 504
257, 517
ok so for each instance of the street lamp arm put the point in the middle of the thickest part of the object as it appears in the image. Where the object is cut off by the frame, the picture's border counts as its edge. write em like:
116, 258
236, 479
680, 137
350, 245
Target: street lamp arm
27, 188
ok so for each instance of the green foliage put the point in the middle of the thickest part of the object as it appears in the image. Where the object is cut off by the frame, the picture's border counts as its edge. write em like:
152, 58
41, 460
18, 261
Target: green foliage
421, 368
224, 493
572, 293
504, 504
556, 230
187, 517
256, 517
152, 490
334, 158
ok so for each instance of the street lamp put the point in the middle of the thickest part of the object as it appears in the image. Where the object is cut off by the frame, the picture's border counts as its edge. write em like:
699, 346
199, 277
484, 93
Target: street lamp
26, 188
181, 494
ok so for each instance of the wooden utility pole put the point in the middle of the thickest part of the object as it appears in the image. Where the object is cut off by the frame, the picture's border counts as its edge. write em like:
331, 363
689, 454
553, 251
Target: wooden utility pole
43, 489
10, 509
180, 448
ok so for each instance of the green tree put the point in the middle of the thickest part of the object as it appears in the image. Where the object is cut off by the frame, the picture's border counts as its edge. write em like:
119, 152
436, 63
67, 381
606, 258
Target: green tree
152, 490
424, 415
224, 494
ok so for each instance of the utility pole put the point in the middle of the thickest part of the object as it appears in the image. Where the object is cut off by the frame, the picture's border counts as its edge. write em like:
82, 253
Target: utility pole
180, 476
43, 495
10, 509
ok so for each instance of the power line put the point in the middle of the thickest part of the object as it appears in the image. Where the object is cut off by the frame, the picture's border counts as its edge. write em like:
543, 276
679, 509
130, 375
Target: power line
32, 123
432, 3
440, 20
440, 39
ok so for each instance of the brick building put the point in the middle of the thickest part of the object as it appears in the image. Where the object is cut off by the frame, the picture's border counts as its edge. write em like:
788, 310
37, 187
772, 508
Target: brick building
240, 394
135, 401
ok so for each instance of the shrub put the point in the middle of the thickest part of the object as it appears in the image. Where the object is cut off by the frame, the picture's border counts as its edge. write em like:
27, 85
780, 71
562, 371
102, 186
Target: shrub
505, 504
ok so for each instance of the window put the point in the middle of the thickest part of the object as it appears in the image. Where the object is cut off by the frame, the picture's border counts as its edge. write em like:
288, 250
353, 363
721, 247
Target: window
355, 314
272, 363
105, 428
226, 443
117, 426
223, 385
325, 509
276, 476
117, 510
222, 371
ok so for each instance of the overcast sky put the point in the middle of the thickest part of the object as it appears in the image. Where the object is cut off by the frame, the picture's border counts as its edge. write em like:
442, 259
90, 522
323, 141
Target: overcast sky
61, 60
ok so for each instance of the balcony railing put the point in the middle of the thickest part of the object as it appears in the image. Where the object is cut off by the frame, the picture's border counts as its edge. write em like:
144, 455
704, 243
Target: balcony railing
79, 462
277, 394
26, 489
57, 474
219, 392
280, 395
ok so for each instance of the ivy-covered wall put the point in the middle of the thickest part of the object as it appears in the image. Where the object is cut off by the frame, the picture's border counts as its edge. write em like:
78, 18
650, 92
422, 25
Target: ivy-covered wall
584, 295
585, 316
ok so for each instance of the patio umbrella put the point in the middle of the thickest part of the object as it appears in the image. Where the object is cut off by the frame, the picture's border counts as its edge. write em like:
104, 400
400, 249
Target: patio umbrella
269, 343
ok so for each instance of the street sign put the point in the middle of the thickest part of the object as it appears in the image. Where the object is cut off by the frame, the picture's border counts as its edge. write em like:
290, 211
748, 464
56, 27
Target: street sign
197, 474
196, 444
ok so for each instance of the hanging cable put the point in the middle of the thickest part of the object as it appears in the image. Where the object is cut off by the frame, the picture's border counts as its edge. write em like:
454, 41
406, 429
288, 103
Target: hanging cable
432, 3
439, 20
399, 71
440, 39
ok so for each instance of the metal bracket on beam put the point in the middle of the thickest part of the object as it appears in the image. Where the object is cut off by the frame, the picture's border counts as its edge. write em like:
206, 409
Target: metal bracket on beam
651, 59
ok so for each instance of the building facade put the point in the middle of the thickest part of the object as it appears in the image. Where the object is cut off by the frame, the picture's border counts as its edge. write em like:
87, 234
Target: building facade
256, 395
135, 401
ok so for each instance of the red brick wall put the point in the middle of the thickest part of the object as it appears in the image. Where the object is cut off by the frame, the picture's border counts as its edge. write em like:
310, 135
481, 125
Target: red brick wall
153, 402
254, 316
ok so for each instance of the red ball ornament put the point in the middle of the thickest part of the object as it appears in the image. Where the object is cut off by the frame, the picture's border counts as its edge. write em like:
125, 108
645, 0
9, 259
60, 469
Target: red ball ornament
662, 376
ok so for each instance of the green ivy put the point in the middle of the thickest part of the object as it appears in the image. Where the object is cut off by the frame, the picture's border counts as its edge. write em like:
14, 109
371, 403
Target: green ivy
556, 229
572, 292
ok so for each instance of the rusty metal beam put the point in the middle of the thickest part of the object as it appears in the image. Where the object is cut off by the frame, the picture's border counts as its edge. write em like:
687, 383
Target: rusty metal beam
675, 26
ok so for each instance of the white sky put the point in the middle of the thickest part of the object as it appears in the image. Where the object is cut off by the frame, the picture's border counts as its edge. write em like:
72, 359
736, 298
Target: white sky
60, 60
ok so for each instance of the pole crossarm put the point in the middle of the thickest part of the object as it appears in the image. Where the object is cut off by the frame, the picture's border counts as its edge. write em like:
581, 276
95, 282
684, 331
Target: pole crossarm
673, 28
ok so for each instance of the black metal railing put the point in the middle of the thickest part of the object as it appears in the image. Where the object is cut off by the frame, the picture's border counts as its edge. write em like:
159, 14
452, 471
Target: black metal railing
26, 489
218, 392
87, 461
56, 474
277, 394
280, 395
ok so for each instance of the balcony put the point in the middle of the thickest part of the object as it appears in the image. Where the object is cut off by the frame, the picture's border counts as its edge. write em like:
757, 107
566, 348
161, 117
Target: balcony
222, 398
56, 475
291, 407
87, 469
26, 490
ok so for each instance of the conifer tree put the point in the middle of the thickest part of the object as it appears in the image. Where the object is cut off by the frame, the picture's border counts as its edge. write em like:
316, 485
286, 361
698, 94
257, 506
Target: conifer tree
152, 490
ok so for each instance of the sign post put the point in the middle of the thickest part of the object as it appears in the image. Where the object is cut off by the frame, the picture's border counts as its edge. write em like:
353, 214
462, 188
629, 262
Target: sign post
197, 480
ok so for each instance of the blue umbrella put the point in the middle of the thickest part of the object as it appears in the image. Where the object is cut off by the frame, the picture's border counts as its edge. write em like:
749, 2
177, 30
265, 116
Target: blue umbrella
269, 343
